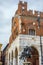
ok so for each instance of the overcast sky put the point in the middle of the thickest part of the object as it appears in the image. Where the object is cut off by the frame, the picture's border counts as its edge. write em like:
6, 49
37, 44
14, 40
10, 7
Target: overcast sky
7, 11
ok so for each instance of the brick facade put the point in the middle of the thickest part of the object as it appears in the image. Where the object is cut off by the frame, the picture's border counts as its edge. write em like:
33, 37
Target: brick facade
28, 21
25, 32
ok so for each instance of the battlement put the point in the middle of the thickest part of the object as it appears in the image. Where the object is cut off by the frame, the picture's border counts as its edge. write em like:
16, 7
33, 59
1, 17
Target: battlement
22, 10
22, 2
35, 13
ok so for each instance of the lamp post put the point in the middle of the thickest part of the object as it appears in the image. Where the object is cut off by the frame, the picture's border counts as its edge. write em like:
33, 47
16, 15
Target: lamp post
40, 36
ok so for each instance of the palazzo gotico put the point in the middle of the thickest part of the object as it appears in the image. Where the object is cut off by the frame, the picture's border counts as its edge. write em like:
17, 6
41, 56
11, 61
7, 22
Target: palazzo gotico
26, 32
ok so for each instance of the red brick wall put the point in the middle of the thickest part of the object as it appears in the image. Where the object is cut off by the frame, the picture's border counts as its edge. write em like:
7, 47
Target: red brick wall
27, 18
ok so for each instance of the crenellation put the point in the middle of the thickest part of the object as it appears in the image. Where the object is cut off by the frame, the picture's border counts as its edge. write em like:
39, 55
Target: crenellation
22, 10
30, 12
20, 2
25, 3
35, 13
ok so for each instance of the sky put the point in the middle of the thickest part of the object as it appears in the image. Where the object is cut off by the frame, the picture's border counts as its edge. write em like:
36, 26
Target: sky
7, 11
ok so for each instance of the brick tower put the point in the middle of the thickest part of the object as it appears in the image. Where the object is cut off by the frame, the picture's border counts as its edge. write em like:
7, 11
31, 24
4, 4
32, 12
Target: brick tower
26, 33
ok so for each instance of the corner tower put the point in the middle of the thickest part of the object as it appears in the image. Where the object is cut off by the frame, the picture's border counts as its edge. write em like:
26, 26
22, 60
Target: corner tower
22, 7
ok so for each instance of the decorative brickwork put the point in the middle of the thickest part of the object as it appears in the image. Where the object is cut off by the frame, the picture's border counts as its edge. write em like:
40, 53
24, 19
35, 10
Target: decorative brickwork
28, 21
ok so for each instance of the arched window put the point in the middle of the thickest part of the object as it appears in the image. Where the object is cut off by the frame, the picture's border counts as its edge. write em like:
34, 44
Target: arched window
31, 32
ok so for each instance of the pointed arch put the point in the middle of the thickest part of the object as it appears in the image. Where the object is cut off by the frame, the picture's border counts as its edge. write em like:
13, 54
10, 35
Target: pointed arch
35, 56
16, 56
35, 51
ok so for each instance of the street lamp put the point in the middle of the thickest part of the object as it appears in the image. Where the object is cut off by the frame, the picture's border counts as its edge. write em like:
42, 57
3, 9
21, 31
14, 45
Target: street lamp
38, 20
